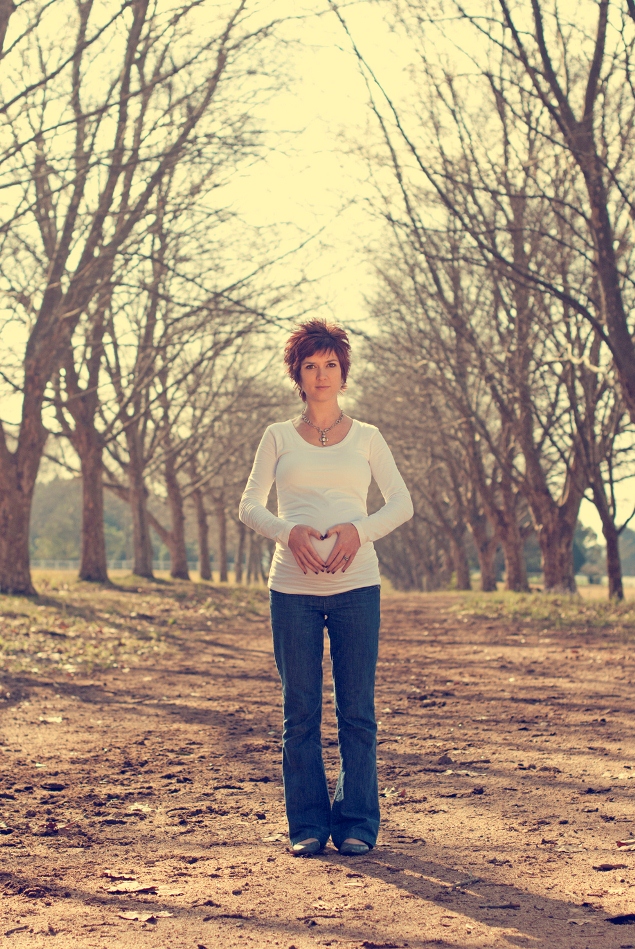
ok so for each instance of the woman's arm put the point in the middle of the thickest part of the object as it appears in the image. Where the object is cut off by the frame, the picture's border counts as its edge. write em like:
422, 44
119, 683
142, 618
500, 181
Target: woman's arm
253, 511
398, 507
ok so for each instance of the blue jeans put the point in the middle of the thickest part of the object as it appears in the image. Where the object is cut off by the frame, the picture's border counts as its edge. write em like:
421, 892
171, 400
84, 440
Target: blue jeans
352, 621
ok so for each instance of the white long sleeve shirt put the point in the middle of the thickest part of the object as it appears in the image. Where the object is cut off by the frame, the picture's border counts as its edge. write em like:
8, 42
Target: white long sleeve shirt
321, 487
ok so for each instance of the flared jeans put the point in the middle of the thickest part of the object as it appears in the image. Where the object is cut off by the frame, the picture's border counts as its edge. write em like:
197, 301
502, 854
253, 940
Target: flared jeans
352, 621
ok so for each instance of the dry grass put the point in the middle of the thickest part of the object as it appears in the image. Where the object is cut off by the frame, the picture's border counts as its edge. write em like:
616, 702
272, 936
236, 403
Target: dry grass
579, 612
80, 627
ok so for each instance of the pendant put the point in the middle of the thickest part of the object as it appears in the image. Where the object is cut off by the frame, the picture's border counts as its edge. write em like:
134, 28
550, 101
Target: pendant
324, 440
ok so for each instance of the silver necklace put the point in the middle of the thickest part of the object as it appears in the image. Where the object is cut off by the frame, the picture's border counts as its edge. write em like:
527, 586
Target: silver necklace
323, 431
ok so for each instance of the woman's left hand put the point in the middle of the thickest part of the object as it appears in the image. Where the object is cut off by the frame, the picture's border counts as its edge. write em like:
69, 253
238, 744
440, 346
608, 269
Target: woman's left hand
346, 547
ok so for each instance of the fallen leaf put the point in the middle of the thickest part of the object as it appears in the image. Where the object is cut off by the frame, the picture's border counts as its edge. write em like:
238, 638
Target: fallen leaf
367, 944
611, 866
499, 906
354, 883
627, 844
144, 917
51, 719
133, 887
53, 786
114, 875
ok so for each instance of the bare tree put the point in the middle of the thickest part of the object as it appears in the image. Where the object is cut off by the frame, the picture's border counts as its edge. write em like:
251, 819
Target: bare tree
492, 228
579, 77
82, 172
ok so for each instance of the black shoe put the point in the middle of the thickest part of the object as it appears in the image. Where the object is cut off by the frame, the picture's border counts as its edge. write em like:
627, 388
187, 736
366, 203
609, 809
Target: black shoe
353, 850
307, 848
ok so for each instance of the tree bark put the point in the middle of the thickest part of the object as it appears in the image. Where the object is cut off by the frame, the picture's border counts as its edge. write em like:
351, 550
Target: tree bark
15, 516
175, 537
204, 568
248, 548
18, 471
515, 565
613, 561
612, 538
142, 544
460, 562
221, 520
94, 564
485, 541
555, 536
240, 553
486, 548
7, 8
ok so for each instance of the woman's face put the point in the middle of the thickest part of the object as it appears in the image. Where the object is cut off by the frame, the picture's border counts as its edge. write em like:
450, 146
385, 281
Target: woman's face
321, 377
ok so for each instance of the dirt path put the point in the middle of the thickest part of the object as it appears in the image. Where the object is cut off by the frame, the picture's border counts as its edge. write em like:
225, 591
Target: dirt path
506, 762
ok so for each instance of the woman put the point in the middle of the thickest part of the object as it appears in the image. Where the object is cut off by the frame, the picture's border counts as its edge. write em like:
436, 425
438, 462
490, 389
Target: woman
325, 573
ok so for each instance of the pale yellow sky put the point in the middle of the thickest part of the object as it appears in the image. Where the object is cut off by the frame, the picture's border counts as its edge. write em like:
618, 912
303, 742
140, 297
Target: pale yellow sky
312, 180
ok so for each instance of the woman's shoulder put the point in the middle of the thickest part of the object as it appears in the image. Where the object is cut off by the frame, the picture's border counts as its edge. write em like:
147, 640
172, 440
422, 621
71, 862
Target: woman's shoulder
365, 429
279, 431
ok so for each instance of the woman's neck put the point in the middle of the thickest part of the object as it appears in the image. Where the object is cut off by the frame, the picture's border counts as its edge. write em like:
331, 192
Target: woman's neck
322, 414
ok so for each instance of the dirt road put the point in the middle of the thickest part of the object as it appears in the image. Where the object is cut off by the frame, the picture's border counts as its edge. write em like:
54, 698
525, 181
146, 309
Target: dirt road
139, 750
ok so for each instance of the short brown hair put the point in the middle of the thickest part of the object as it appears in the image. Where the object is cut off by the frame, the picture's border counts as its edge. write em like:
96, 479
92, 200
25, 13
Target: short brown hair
316, 336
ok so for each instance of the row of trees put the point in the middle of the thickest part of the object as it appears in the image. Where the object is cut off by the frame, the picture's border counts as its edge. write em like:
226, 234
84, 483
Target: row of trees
141, 309
137, 304
507, 279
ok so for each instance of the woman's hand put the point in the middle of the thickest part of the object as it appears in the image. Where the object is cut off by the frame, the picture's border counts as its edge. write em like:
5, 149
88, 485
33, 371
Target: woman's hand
306, 556
346, 547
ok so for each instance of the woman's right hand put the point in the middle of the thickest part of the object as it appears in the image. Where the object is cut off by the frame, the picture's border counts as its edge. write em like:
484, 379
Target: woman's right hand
306, 556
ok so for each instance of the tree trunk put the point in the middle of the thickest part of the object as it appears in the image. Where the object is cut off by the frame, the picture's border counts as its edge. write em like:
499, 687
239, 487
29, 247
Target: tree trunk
221, 520
515, 565
460, 563
141, 541
176, 535
613, 561
18, 471
255, 559
15, 516
556, 546
486, 559
94, 565
7, 8
249, 545
204, 569
612, 538
486, 543
500, 500
240, 553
